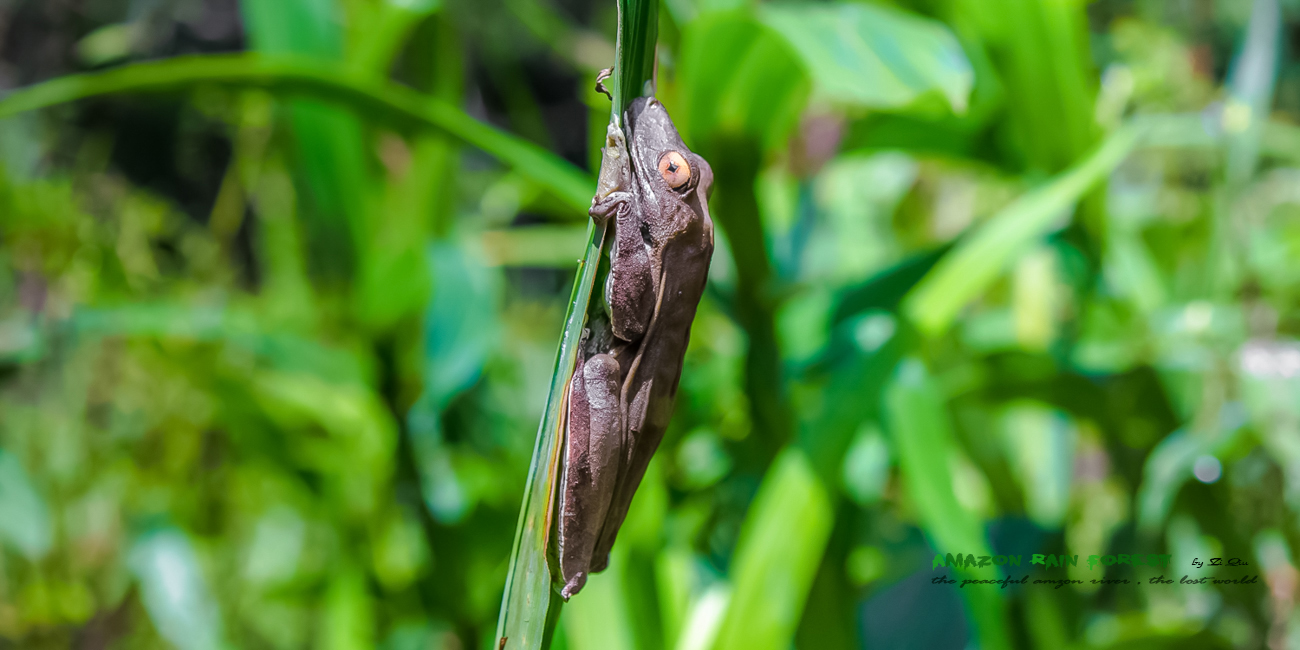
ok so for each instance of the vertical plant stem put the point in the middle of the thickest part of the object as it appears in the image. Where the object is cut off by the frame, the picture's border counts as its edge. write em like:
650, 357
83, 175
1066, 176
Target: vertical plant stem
531, 603
638, 31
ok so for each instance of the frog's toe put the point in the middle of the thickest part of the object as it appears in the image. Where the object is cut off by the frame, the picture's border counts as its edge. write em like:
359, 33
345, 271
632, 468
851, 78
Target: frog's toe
574, 585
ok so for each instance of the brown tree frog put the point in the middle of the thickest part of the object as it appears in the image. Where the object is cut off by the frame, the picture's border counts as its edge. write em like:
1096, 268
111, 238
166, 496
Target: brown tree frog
654, 190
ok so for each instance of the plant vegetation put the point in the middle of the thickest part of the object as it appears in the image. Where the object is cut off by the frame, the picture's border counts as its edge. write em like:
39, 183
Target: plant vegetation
281, 285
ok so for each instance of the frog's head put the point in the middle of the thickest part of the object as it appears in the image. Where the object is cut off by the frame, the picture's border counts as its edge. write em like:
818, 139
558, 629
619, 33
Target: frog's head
677, 179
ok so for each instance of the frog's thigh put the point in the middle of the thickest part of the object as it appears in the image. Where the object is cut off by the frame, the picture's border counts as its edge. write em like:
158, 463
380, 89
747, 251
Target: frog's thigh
600, 374
631, 470
592, 471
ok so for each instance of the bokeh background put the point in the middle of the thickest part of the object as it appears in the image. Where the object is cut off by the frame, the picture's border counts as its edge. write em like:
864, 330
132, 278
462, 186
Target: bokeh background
1012, 276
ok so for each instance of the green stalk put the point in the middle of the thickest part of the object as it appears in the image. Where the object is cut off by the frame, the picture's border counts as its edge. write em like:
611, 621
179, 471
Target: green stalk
638, 31
531, 604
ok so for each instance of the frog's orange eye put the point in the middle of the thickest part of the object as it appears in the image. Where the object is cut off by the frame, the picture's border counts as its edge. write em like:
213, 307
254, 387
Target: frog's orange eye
675, 170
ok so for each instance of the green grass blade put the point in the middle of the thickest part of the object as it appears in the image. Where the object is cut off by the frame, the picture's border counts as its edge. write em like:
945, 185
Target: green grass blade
291, 75
638, 31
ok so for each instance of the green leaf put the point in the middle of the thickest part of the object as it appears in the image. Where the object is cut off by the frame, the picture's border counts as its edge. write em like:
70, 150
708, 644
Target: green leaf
1039, 443
1039, 55
398, 106
871, 56
460, 324
981, 256
1250, 90
780, 547
1170, 464
922, 438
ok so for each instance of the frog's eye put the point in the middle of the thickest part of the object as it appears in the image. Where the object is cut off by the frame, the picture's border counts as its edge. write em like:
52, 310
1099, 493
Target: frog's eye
675, 170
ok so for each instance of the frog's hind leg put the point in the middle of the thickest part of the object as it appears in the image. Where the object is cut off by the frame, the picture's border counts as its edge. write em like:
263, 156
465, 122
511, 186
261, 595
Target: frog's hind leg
641, 442
595, 451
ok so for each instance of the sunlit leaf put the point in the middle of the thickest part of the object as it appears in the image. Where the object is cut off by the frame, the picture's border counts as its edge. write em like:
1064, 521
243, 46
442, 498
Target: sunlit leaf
873, 56
981, 256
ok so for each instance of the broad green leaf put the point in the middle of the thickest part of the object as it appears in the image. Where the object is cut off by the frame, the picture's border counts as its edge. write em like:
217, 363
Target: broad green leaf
377, 31
776, 557
332, 158
704, 621
459, 326
294, 27
871, 56
25, 524
981, 256
1039, 54
922, 437
1170, 465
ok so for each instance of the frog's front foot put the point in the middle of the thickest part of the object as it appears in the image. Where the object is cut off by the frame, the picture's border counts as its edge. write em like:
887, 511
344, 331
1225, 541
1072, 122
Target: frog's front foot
612, 205
600, 82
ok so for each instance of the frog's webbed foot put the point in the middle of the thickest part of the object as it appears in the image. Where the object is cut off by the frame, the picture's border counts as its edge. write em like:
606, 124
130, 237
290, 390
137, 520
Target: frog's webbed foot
615, 205
600, 82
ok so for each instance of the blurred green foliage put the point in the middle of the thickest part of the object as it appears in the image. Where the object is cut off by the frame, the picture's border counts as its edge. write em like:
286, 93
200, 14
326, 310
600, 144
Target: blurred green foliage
281, 283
